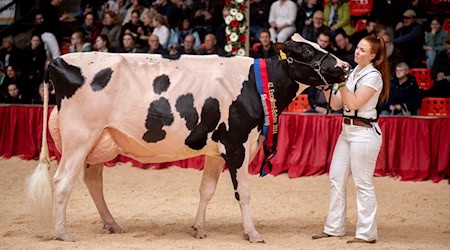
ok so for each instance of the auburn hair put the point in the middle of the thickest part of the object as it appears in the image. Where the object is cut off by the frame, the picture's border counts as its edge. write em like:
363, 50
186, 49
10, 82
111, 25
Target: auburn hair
380, 62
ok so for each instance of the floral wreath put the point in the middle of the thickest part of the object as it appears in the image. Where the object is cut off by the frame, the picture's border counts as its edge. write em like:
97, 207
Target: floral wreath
236, 30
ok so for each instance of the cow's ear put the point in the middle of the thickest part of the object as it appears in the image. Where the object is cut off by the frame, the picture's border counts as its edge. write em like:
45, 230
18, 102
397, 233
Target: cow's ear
280, 49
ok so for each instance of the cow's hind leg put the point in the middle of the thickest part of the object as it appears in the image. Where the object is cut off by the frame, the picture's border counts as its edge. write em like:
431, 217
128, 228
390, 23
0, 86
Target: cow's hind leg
93, 178
211, 172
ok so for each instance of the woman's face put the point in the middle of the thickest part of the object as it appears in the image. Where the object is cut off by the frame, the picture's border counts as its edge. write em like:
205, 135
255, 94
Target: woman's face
363, 54
186, 24
35, 42
134, 18
89, 20
99, 43
75, 40
435, 25
156, 23
13, 91
107, 20
10, 72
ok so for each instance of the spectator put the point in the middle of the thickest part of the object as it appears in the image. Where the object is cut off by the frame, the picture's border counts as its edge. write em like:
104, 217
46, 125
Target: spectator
155, 47
394, 55
128, 44
210, 46
52, 19
78, 44
185, 29
161, 29
305, 14
207, 16
282, 20
34, 59
112, 28
135, 5
440, 73
259, 15
265, 50
118, 6
133, 25
323, 39
14, 76
409, 39
89, 6
90, 28
146, 30
167, 9
9, 54
39, 97
312, 30
337, 16
188, 47
370, 28
388, 13
434, 40
345, 49
102, 44
14, 96
50, 42
404, 96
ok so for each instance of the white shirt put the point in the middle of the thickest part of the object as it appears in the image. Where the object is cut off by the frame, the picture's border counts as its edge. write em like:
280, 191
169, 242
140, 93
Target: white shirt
163, 34
281, 14
368, 76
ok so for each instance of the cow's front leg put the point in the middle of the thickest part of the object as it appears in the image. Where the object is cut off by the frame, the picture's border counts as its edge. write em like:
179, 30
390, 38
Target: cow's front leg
244, 200
211, 172
93, 178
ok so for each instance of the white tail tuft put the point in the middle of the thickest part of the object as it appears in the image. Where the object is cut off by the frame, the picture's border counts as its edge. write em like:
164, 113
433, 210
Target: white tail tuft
39, 184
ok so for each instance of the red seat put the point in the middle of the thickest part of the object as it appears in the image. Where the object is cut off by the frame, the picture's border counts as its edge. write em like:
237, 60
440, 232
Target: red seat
299, 104
423, 77
446, 25
435, 106
360, 7
360, 25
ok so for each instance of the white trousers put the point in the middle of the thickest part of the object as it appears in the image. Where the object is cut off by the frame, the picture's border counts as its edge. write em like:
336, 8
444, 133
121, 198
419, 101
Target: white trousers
281, 36
51, 45
356, 152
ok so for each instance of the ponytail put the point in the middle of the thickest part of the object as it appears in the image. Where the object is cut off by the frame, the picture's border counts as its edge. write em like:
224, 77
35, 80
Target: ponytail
380, 62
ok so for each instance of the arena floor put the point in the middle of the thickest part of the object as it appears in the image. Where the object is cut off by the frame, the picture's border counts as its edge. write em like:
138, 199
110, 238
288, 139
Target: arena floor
156, 208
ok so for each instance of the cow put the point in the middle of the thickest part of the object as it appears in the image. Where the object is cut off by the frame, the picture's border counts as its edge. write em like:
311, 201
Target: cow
156, 109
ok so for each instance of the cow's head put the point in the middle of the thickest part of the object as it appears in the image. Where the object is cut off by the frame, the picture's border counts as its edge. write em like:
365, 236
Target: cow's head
310, 64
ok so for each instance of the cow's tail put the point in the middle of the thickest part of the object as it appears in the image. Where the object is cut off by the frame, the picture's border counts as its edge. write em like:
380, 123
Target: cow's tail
39, 184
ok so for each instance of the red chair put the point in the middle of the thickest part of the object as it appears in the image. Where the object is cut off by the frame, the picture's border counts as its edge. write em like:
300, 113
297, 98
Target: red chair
423, 77
446, 25
435, 106
360, 7
360, 25
299, 104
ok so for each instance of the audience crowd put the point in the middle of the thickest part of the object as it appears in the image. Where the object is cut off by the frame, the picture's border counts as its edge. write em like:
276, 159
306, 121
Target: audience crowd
413, 39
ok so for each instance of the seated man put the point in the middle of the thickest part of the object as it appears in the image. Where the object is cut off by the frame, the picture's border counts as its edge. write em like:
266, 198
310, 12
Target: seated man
210, 46
265, 50
345, 49
323, 39
404, 96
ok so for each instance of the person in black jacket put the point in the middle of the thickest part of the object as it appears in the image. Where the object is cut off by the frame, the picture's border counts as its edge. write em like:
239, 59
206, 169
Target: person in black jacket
34, 59
265, 50
440, 73
404, 96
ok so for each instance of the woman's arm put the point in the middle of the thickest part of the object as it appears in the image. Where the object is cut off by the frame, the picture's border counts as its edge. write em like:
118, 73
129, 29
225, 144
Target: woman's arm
336, 99
359, 98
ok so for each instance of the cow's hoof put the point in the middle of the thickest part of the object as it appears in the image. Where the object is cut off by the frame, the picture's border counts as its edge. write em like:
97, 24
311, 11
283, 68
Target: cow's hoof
114, 229
199, 233
254, 238
63, 237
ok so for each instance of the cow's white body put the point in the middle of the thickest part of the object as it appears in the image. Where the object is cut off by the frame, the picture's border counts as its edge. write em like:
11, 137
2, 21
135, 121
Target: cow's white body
120, 109
110, 104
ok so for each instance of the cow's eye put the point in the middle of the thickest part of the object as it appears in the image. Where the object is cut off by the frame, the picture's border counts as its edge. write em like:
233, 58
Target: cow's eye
307, 52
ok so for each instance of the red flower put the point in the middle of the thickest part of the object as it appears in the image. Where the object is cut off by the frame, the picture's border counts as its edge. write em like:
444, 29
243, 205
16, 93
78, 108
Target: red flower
242, 38
234, 49
234, 23
242, 7
228, 38
227, 2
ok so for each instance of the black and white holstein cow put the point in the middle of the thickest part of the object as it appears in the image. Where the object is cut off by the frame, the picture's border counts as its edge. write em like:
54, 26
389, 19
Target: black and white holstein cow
155, 109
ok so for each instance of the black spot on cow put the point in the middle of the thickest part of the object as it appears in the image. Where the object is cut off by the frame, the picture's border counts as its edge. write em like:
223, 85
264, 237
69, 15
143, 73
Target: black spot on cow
185, 106
101, 79
159, 115
210, 117
66, 79
161, 84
